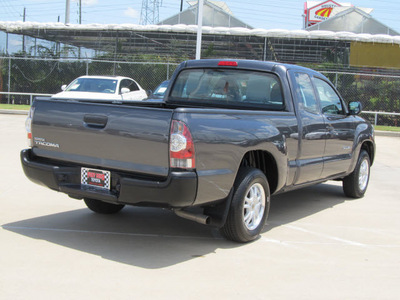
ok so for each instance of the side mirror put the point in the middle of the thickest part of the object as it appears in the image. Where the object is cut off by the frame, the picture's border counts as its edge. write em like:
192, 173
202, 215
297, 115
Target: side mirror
125, 90
63, 87
355, 107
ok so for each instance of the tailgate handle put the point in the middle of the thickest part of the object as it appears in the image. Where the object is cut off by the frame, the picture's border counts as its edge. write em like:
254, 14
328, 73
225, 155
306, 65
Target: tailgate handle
96, 121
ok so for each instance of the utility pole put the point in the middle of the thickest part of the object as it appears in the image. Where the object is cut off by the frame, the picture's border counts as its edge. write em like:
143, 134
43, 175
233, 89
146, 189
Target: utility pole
80, 22
199, 28
150, 12
80, 11
67, 11
23, 37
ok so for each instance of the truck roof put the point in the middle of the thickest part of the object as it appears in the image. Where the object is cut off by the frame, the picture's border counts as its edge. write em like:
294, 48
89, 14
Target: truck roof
242, 64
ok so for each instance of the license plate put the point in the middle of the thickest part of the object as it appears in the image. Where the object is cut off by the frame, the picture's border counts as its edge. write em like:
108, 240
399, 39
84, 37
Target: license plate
96, 178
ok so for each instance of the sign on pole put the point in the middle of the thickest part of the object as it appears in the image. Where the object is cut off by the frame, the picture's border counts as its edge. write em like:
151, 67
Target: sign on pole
319, 12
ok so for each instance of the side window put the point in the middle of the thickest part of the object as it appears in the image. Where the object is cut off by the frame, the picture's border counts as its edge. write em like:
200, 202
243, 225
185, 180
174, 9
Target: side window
330, 101
305, 93
131, 85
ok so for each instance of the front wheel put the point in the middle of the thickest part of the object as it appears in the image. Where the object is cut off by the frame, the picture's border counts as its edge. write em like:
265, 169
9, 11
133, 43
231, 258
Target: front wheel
355, 185
249, 208
102, 207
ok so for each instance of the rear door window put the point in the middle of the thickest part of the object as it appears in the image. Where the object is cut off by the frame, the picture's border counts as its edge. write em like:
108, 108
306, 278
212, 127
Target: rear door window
130, 84
228, 87
330, 100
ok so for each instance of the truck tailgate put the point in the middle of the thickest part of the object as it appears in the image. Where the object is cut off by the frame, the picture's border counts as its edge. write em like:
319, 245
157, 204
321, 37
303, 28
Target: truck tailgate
107, 136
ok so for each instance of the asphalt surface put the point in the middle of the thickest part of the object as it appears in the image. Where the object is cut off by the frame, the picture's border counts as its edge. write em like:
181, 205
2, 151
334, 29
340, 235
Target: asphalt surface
318, 244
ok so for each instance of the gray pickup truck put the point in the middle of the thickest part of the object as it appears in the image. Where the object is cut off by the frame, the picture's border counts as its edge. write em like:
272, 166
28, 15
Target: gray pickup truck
227, 135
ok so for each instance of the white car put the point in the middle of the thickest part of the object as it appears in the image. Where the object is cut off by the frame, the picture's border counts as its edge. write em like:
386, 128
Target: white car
107, 88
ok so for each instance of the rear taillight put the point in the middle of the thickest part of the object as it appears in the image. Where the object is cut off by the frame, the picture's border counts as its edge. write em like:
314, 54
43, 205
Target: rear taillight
28, 126
181, 147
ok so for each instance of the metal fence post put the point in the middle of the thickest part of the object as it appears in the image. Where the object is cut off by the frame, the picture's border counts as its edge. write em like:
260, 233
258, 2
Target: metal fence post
336, 78
265, 49
167, 70
9, 79
87, 67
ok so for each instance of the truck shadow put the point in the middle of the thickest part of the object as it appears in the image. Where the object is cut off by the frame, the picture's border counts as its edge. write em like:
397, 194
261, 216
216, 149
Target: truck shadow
296, 205
144, 237
154, 238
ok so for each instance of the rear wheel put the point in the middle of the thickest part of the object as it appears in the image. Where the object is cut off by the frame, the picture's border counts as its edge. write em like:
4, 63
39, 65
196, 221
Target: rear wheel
355, 185
249, 208
102, 207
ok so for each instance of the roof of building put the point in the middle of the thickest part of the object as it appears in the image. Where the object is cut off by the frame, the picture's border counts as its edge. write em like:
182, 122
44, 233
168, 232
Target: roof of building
215, 14
179, 41
89, 34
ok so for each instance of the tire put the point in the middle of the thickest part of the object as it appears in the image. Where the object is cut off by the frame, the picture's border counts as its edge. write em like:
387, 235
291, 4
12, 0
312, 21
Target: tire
355, 185
249, 208
102, 207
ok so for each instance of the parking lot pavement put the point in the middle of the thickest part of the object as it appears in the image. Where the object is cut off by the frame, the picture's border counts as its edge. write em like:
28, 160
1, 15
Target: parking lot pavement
318, 244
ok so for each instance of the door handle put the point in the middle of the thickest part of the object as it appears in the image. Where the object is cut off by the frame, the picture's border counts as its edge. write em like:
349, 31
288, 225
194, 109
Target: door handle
315, 135
95, 121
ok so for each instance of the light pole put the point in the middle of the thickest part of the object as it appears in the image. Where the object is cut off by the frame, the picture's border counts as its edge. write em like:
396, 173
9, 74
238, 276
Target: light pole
199, 28
67, 11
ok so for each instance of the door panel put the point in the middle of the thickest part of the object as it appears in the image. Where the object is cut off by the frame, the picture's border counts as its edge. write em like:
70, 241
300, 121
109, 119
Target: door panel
339, 144
312, 128
340, 130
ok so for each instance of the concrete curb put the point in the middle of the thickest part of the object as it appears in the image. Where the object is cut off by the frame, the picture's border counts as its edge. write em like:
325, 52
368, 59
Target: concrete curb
13, 112
387, 133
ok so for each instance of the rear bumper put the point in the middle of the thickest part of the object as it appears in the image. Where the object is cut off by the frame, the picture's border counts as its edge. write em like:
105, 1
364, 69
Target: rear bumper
178, 190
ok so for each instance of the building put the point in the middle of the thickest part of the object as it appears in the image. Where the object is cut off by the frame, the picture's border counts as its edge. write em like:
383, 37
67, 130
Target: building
215, 14
325, 42
359, 21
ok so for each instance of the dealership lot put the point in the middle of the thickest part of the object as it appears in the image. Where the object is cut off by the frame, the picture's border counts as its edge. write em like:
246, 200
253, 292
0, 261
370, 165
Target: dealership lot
318, 243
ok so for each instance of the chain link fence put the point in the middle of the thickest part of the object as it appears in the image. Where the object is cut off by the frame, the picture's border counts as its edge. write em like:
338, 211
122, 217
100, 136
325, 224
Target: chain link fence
378, 93
46, 76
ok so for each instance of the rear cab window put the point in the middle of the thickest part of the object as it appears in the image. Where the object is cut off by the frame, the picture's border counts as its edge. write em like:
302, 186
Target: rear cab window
228, 87
306, 97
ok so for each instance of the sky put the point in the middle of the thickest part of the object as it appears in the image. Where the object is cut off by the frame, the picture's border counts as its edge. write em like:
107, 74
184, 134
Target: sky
266, 14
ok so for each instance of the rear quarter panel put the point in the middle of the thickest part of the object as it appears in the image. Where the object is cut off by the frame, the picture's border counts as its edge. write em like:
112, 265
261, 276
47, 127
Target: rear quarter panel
223, 137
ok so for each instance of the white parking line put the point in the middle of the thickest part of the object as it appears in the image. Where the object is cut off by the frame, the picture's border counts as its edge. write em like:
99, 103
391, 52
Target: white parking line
326, 236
